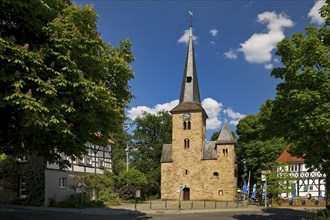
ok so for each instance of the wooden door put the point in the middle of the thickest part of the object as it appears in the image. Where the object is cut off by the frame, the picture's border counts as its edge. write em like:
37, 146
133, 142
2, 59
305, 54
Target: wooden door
186, 194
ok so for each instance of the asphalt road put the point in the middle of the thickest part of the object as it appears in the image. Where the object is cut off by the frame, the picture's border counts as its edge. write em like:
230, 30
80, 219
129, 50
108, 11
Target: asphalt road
268, 214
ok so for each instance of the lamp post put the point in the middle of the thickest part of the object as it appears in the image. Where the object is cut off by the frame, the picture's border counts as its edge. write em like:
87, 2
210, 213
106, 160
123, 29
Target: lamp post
127, 157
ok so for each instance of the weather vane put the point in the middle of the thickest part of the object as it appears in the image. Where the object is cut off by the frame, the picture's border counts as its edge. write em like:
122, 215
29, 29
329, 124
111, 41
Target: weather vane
191, 17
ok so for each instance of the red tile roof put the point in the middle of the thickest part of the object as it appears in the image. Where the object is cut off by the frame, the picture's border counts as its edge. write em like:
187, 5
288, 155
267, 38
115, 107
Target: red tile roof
286, 157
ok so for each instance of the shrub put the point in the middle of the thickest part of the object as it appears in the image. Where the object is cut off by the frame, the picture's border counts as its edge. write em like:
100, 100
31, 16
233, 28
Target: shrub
108, 197
127, 192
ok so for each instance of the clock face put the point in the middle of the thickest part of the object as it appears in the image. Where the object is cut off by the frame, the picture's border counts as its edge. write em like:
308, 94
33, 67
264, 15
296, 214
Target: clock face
186, 116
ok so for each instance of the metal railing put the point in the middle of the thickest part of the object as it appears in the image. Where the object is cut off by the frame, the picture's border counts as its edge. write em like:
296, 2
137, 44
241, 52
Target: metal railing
186, 205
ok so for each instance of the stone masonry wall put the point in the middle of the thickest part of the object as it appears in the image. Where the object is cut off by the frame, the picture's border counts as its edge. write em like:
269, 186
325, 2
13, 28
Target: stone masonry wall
189, 169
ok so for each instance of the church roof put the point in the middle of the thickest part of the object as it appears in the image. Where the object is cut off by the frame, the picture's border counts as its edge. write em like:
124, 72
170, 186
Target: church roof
166, 153
189, 88
209, 150
286, 157
189, 96
225, 136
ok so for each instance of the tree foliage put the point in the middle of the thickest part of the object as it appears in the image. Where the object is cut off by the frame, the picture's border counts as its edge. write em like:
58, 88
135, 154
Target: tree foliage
133, 178
151, 132
301, 109
257, 149
59, 82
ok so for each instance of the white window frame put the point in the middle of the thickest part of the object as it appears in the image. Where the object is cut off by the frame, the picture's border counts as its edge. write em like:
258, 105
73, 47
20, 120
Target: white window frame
81, 161
62, 182
89, 161
101, 163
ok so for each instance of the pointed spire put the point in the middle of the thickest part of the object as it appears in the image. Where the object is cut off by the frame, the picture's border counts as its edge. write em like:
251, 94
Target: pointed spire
189, 88
225, 136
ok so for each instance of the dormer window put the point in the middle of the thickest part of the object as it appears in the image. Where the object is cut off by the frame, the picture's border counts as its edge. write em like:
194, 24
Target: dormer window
188, 79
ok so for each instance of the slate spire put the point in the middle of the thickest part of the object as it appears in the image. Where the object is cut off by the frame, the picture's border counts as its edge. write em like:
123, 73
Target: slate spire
225, 136
189, 88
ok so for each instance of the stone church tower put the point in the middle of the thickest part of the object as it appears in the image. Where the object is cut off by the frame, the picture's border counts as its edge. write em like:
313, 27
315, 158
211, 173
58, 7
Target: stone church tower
206, 170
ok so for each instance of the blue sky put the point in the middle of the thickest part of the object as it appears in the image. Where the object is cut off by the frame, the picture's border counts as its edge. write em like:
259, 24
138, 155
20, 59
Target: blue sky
235, 42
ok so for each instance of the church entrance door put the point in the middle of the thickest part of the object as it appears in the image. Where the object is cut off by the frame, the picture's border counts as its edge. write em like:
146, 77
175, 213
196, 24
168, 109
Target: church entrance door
186, 194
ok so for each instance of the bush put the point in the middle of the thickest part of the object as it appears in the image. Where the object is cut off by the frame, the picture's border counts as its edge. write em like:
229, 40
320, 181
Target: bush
78, 201
127, 192
108, 197
319, 215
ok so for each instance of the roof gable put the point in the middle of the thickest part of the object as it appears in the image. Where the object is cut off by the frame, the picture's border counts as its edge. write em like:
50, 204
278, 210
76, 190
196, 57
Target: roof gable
286, 157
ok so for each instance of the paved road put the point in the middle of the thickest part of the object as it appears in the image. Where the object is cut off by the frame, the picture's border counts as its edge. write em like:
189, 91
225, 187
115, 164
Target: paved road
30, 214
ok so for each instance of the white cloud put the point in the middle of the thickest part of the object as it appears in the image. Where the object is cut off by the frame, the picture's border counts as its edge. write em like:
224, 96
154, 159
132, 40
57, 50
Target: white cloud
258, 48
314, 12
213, 42
212, 107
231, 54
269, 66
213, 110
234, 116
185, 37
137, 111
213, 32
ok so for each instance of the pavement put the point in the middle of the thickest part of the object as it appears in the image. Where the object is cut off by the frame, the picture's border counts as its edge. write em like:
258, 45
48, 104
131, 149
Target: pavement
128, 208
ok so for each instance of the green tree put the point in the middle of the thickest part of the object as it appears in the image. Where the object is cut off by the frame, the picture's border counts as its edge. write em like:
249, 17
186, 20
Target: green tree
151, 132
279, 180
256, 150
101, 186
59, 82
301, 109
132, 177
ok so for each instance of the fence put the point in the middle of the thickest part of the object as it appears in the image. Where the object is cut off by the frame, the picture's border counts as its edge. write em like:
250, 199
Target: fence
185, 205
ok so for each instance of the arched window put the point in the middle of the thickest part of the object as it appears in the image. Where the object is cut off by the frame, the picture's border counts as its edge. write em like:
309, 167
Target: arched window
186, 143
185, 125
226, 151
189, 125
215, 175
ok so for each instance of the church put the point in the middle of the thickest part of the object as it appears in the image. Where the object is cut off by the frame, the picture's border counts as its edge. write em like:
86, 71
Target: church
192, 167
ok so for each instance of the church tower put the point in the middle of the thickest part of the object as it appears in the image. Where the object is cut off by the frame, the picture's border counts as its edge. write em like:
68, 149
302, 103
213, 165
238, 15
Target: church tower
203, 170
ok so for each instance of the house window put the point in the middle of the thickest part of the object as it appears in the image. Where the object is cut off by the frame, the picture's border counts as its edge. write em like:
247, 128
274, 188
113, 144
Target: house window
186, 143
22, 188
215, 175
81, 161
225, 151
189, 79
62, 182
186, 172
88, 161
310, 187
305, 188
184, 125
189, 125
220, 192
101, 162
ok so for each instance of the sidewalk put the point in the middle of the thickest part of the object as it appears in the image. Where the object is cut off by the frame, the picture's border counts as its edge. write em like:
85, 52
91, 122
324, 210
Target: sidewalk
128, 209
